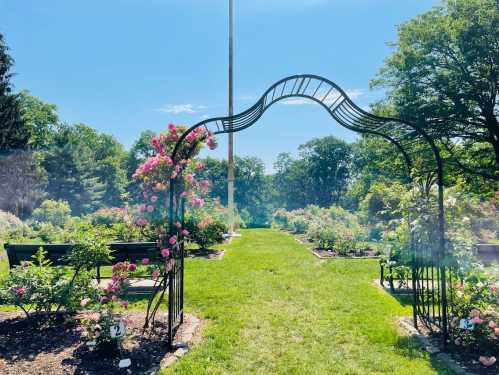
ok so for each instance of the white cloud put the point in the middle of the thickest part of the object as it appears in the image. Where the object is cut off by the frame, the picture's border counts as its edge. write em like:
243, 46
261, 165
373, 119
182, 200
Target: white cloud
205, 117
297, 101
177, 109
355, 93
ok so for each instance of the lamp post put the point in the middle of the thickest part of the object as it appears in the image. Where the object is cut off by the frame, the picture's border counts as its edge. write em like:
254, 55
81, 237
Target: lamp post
230, 171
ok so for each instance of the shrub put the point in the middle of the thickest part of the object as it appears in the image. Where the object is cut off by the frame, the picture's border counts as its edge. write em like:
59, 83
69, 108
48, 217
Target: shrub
36, 286
107, 216
299, 224
53, 212
205, 231
8, 221
281, 218
476, 300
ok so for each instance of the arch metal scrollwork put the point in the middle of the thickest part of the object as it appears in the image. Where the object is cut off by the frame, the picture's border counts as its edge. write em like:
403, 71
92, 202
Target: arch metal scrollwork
429, 301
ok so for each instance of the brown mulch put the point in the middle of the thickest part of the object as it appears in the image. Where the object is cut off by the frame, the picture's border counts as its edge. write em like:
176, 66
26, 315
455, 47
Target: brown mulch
328, 254
209, 254
54, 346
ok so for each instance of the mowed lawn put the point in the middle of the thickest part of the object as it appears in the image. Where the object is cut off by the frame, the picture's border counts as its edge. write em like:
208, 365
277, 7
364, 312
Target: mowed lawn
271, 307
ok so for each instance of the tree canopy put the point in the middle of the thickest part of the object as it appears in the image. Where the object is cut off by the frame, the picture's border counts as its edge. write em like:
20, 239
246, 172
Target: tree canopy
444, 75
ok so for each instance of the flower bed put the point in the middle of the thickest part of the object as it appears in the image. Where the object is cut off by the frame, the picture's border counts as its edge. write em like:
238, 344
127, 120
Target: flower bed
333, 231
55, 345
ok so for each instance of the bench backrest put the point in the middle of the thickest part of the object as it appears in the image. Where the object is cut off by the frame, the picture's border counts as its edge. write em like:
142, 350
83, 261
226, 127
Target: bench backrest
120, 251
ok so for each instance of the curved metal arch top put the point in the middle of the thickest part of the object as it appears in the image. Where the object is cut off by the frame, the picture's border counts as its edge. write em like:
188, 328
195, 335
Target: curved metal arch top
411, 140
335, 101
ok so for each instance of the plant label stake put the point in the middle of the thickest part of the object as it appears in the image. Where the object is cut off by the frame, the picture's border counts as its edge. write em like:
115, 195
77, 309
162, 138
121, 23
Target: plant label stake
466, 324
118, 330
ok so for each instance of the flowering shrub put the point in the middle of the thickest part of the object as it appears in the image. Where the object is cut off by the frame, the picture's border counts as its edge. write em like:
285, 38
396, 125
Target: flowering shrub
331, 228
475, 301
97, 327
206, 227
108, 216
37, 287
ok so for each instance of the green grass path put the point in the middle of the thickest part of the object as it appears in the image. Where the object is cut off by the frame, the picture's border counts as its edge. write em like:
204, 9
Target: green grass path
274, 308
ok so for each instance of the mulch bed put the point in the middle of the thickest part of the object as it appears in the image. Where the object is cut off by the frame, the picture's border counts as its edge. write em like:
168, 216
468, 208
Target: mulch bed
54, 346
209, 254
328, 254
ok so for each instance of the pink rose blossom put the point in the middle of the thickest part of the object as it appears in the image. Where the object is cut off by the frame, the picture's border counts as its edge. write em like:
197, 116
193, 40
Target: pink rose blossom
154, 198
84, 302
172, 240
132, 267
20, 292
477, 320
114, 298
165, 253
150, 208
146, 261
142, 208
155, 274
185, 232
178, 224
487, 361
124, 303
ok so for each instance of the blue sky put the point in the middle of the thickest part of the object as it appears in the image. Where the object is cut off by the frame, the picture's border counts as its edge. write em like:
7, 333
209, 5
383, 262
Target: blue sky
129, 65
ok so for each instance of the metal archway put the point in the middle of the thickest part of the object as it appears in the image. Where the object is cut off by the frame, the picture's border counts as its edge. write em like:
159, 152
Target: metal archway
411, 140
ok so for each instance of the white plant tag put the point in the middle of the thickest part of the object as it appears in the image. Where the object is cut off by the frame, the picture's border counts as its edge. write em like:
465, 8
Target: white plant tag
91, 343
118, 330
466, 324
125, 363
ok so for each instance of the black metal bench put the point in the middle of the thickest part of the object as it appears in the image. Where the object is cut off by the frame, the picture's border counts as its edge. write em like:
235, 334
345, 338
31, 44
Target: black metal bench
120, 251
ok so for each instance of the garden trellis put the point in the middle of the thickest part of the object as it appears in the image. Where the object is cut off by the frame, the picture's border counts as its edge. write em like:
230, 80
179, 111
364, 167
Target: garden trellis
414, 141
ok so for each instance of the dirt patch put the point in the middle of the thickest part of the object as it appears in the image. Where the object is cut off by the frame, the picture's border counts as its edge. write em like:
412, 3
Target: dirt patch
209, 254
54, 346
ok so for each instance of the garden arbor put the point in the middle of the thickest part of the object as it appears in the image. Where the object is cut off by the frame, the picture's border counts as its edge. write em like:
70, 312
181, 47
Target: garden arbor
424, 167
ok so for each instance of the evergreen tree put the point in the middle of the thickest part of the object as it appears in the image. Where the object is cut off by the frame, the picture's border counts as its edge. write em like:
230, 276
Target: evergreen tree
13, 132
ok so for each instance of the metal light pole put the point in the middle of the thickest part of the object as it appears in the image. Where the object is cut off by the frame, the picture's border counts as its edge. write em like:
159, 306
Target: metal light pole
230, 171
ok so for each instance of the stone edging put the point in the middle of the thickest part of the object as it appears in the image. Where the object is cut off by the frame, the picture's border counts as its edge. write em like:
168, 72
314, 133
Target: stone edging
405, 324
188, 334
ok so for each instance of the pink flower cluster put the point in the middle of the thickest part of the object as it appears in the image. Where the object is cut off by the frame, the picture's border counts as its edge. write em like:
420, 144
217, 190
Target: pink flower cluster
19, 292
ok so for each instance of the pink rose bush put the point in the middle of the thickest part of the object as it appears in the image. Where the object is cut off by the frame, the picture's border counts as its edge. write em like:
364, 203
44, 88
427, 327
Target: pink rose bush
476, 301
96, 327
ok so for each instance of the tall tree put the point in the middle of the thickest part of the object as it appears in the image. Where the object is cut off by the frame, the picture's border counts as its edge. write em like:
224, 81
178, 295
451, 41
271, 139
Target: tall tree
445, 73
320, 176
13, 132
70, 164
251, 187
40, 119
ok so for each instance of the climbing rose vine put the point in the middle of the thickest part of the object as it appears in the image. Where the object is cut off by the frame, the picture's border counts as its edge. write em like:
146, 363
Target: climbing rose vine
155, 173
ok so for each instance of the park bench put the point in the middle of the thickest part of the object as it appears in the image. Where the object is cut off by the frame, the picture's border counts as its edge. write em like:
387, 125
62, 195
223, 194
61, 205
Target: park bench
120, 252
